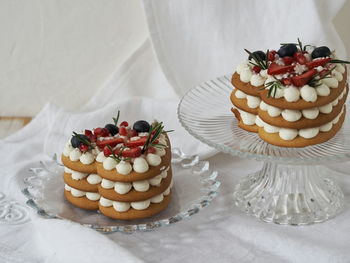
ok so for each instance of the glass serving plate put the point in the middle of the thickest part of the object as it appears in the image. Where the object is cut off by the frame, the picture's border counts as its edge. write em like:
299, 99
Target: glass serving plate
292, 187
195, 186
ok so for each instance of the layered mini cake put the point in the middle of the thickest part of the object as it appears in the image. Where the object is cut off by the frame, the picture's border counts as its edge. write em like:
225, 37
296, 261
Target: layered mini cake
129, 174
294, 97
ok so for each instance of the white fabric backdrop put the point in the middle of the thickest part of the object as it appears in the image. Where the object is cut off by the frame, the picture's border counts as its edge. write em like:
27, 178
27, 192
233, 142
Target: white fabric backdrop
219, 232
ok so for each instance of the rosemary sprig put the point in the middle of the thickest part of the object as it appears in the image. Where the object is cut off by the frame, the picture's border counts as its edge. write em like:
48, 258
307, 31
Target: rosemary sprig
116, 119
273, 86
259, 62
155, 131
300, 45
83, 140
339, 61
118, 157
315, 80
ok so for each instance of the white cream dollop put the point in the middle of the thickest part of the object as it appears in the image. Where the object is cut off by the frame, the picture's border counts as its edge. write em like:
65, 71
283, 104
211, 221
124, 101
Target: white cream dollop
340, 68
87, 158
242, 66
326, 108
330, 82
75, 155
155, 181
308, 93
78, 175
240, 94
101, 157
105, 202
93, 196
107, 184
273, 111
160, 151
245, 75
337, 75
76, 192
157, 199
253, 101
121, 206
270, 128
67, 187
263, 105
140, 165
326, 127
256, 80
309, 132
109, 163
153, 159
141, 205
67, 149
323, 90
291, 115
288, 134
291, 94
122, 188
123, 167
141, 186
94, 179
247, 118
310, 113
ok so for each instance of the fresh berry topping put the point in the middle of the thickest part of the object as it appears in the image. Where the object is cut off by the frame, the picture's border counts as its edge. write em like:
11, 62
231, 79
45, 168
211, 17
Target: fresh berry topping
259, 54
256, 69
151, 150
321, 52
301, 80
287, 50
300, 58
83, 148
132, 153
104, 132
111, 142
271, 55
318, 62
132, 133
106, 151
97, 131
139, 142
123, 131
288, 60
275, 69
92, 138
141, 126
286, 81
112, 129
88, 133
124, 124
75, 142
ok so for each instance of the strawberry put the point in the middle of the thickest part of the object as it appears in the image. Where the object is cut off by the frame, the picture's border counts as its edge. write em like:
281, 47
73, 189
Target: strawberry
256, 69
271, 55
300, 58
132, 133
275, 69
139, 142
318, 62
88, 133
151, 150
83, 147
286, 81
104, 132
106, 151
112, 142
132, 153
288, 60
97, 131
301, 80
123, 131
124, 124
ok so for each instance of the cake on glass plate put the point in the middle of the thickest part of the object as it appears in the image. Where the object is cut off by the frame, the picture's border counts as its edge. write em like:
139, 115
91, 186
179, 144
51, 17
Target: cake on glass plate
293, 97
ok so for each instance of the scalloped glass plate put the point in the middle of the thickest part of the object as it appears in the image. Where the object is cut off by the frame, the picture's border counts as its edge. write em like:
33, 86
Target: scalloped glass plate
205, 113
195, 186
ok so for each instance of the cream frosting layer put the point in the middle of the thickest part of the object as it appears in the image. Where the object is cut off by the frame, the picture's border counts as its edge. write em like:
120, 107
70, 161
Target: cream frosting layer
91, 178
93, 196
140, 186
140, 205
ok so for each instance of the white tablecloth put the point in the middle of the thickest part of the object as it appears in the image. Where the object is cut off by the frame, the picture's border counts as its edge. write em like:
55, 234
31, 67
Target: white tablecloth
218, 233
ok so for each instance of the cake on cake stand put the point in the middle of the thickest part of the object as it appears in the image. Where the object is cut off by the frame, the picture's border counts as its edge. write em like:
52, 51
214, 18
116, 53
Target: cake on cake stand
293, 186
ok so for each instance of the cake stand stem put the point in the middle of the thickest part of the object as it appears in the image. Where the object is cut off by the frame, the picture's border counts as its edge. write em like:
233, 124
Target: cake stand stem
289, 194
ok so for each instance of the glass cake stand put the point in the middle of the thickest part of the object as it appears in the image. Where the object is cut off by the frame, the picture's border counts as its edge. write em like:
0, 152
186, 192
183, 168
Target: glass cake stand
292, 187
195, 186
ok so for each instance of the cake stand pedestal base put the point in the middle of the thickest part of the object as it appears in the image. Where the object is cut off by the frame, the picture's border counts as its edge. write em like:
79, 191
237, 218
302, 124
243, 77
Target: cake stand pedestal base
289, 194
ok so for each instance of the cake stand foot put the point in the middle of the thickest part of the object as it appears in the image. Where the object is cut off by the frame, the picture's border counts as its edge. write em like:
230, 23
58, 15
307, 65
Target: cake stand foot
289, 194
